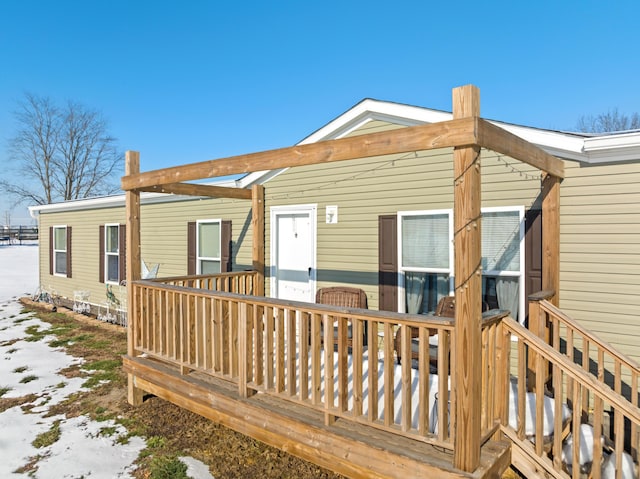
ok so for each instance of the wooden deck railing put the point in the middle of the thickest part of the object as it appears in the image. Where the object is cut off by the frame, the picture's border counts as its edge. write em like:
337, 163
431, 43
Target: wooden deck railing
241, 282
539, 422
279, 348
584, 348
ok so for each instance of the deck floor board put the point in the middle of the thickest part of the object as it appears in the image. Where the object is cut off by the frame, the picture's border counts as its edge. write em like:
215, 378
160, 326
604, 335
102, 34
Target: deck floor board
346, 447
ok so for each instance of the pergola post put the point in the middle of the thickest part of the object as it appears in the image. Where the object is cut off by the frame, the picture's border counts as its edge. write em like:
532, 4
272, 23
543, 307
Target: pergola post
468, 287
551, 236
257, 226
132, 211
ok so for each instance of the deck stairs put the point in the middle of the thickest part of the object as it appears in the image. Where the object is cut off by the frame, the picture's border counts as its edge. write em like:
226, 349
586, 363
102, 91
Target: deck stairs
592, 385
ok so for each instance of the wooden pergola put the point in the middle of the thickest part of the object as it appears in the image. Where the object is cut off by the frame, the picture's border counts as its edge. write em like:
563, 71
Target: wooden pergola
467, 134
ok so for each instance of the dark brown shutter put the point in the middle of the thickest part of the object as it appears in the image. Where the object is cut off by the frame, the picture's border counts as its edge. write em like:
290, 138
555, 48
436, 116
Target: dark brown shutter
532, 253
225, 247
68, 251
387, 263
51, 250
191, 248
122, 252
101, 253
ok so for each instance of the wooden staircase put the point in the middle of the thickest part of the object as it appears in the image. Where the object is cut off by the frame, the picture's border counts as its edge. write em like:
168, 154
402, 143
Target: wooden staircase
568, 369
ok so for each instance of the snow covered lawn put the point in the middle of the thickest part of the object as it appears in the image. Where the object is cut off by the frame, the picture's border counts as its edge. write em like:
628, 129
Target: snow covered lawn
32, 440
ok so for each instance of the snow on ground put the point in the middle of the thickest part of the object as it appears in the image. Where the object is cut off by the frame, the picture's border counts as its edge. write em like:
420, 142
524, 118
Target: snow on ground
85, 448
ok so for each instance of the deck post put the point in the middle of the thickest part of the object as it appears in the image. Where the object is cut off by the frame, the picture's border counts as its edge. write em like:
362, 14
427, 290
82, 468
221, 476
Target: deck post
551, 236
132, 211
468, 287
257, 226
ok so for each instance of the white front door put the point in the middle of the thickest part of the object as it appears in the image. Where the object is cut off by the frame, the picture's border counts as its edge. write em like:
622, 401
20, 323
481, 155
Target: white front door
293, 252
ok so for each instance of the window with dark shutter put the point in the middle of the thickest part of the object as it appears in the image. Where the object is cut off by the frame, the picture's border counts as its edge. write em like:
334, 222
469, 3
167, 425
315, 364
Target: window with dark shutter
209, 247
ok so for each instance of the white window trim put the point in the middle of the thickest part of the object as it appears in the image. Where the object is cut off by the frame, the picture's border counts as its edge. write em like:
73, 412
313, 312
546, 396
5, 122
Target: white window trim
108, 254
450, 271
54, 250
208, 258
521, 273
402, 270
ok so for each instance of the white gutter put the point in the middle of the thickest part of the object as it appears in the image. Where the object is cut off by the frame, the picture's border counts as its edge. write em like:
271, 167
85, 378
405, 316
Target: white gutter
116, 201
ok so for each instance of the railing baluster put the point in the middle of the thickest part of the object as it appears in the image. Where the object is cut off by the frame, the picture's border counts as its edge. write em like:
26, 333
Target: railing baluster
357, 364
372, 368
388, 374
280, 351
327, 337
290, 341
405, 389
423, 381
316, 365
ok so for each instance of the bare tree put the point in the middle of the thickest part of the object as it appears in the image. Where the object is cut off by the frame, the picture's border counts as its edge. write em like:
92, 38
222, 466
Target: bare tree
61, 153
610, 121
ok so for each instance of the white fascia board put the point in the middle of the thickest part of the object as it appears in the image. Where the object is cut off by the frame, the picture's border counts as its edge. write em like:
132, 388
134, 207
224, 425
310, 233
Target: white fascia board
621, 147
116, 201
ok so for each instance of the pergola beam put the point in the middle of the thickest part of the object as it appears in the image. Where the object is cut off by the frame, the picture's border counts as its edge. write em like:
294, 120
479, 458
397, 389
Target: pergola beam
452, 133
494, 138
190, 189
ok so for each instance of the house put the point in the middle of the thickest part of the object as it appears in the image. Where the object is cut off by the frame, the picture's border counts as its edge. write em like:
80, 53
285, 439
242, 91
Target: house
384, 198
343, 223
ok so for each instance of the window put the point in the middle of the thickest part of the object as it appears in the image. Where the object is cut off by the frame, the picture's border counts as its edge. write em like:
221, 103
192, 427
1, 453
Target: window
426, 259
425, 242
208, 247
60, 250
503, 259
112, 253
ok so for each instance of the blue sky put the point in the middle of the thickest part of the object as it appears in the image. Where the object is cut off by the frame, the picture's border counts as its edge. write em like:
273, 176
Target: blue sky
184, 81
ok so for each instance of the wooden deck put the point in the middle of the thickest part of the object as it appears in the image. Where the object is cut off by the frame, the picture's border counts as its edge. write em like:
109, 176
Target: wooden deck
216, 346
345, 447
260, 366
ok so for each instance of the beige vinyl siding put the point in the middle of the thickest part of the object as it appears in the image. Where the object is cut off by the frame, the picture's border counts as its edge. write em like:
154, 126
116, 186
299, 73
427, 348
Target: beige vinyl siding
163, 240
84, 251
600, 251
363, 189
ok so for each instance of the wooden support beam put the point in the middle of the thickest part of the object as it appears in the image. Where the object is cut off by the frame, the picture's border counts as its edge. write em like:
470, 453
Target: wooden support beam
257, 243
457, 132
190, 189
495, 138
468, 287
551, 236
132, 211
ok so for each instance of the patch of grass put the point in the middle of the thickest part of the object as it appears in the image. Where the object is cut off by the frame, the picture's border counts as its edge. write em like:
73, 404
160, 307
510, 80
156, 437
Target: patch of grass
124, 439
167, 467
106, 370
11, 351
21, 320
62, 342
47, 438
107, 431
156, 442
4, 390
103, 365
28, 379
60, 385
21, 369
